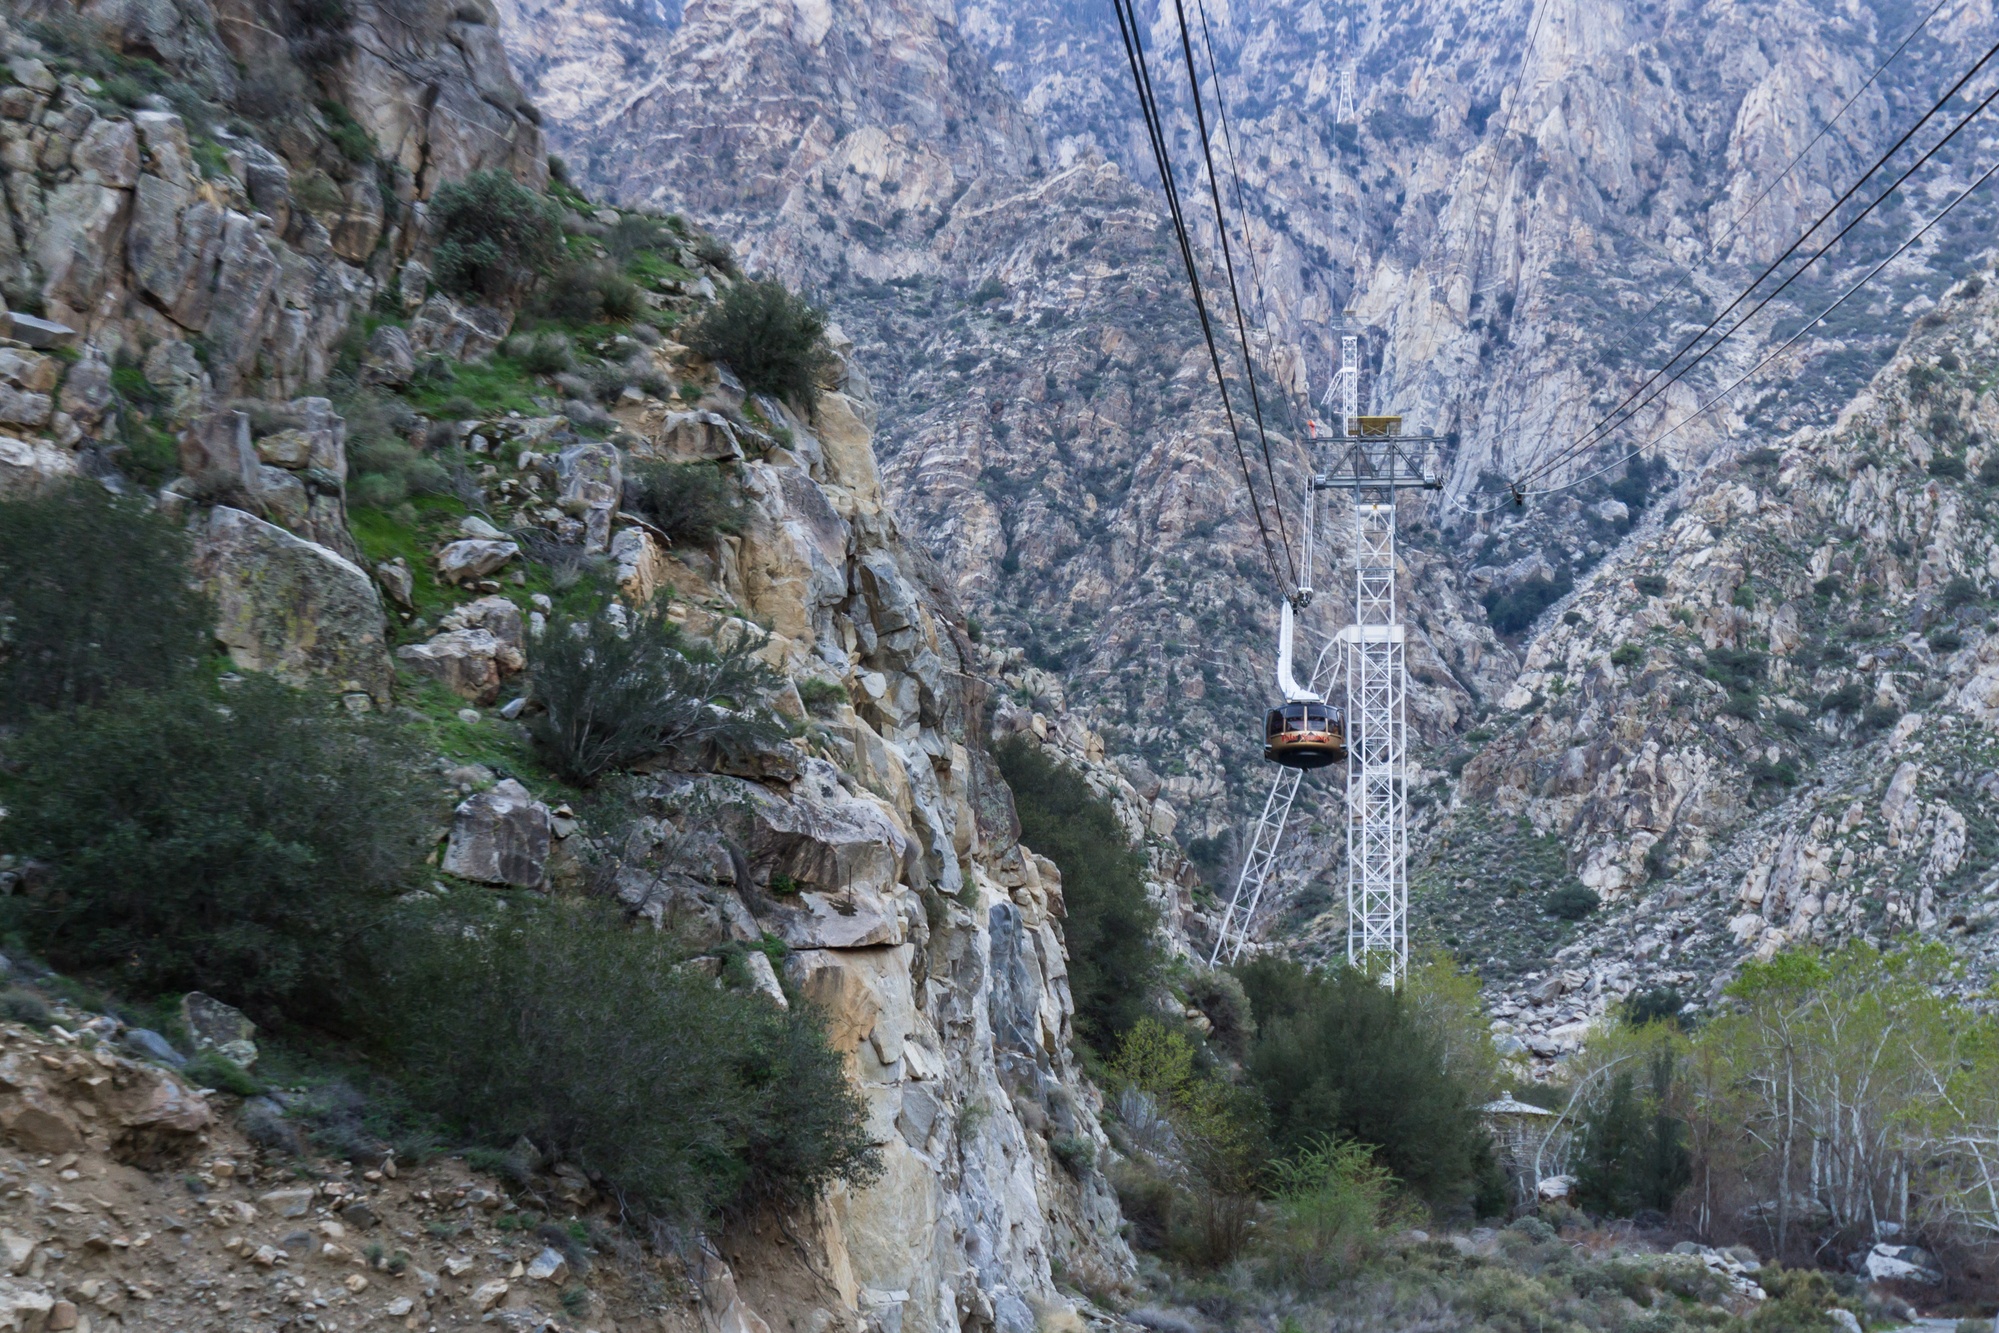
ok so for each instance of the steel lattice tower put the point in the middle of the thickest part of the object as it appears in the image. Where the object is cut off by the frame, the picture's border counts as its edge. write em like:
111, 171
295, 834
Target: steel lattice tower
1376, 461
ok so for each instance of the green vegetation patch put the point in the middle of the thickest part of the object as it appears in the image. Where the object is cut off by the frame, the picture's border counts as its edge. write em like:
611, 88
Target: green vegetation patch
1113, 955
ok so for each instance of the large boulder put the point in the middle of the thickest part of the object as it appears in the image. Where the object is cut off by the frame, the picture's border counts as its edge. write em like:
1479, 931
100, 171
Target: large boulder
500, 836
292, 607
474, 558
219, 1027
641, 565
464, 333
466, 660
695, 437
479, 646
592, 479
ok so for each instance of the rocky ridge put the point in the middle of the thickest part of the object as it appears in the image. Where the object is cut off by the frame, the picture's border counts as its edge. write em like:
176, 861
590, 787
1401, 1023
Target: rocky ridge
1771, 719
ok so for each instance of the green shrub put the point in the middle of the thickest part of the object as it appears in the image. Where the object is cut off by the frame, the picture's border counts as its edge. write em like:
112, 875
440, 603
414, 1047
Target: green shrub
1786, 719
1988, 471
689, 502
18, 1006
822, 696
1777, 773
549, 354
1216, 1145
1337, 1053
1076, 1153
1743, 704
212, 1069
768, 336
1223, 1002
349, 135
588, 293
94, 598
1633, 1151
1660, 1004
1114, 959
494, 236
1948, 466
1945, 640
1650, 585
635, 233
1328, 1204
1800, 1299
1848, 698
1626, 655
714, 253
385, 467
238, 843
1960, 592
1572, 902
612, 695
1879, 717
588, 1039
1513, 611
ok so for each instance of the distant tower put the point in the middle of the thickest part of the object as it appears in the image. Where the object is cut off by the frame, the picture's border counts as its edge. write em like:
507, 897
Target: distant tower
1375, 461
1345, 114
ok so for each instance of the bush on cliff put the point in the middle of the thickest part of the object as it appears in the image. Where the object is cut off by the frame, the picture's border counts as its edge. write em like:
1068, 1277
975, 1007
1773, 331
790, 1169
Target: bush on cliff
494, 236
616, 691
593, 1041
94, 598
768, 336
1114, 959
689, 502
239, 842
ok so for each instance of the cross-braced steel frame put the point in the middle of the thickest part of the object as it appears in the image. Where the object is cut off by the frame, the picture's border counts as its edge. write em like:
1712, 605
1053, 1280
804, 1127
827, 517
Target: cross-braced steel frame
1374, 461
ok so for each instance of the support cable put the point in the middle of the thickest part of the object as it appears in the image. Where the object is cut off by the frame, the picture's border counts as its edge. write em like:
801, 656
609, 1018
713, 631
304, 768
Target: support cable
1756, 369
1258, 299
1790, 166
1228, 267
1134, 50
1619, 414
1235, 171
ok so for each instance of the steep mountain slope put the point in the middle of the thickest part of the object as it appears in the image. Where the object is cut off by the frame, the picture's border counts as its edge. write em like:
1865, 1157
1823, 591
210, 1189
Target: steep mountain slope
1770, 719
1045, 421
1502, 222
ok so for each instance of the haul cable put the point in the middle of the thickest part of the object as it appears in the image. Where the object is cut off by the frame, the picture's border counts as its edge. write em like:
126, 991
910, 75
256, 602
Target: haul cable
1134, 49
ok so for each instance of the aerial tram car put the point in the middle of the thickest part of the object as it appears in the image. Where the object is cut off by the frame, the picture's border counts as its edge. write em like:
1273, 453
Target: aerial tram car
1304, 731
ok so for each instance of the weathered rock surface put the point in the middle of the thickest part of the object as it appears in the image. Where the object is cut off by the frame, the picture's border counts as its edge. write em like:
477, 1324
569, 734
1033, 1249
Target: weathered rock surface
500, 836
292, 607
1762, 725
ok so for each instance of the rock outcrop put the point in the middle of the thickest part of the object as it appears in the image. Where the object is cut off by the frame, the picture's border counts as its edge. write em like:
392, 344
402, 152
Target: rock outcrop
292, 607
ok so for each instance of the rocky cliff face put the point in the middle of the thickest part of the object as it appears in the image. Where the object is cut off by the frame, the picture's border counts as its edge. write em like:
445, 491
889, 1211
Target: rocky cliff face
224, 262
203, 205
885, 855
